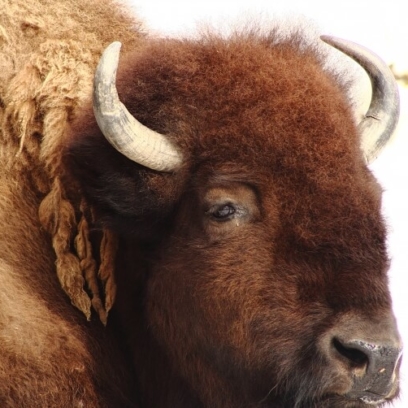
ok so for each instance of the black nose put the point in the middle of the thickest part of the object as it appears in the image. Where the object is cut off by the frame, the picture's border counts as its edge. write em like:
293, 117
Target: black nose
367, 352
372, 364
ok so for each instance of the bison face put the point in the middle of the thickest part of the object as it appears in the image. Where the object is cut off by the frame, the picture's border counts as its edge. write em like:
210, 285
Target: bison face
260, 274
267, 324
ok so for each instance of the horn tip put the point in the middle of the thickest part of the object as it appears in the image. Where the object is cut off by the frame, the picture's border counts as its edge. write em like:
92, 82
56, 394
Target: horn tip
331, 40
116, 45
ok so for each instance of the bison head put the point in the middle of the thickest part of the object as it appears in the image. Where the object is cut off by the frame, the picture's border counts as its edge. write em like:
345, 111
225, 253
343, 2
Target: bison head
252, 263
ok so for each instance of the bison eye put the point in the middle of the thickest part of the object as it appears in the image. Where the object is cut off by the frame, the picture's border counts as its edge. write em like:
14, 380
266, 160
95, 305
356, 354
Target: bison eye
224, 212
228, 206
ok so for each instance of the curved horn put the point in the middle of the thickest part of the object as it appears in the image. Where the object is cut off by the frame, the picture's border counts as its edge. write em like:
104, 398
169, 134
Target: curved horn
382, 116
127, 135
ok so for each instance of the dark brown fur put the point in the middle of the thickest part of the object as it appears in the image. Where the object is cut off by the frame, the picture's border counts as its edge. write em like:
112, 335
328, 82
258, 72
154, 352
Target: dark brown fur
228, 314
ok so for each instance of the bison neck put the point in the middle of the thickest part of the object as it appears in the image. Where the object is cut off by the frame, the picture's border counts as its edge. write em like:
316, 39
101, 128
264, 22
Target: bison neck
158, 383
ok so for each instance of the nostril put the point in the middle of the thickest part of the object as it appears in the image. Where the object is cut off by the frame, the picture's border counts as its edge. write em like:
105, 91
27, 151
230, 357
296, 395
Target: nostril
363, 358
353, 356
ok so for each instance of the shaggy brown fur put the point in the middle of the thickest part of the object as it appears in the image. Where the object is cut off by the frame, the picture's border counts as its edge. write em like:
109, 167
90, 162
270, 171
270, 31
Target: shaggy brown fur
229, 311
229, 273
50, 357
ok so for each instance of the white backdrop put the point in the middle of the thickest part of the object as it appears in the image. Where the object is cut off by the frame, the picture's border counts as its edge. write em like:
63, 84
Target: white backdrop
380, 25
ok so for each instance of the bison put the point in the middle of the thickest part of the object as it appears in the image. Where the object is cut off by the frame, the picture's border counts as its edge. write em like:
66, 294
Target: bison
209, 200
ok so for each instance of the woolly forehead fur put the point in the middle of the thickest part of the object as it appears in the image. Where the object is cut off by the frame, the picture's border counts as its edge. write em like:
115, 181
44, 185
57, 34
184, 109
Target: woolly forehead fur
230, 97
280, 29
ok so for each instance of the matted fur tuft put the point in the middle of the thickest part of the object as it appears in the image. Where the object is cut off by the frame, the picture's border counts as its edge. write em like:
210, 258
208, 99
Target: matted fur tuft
48, 52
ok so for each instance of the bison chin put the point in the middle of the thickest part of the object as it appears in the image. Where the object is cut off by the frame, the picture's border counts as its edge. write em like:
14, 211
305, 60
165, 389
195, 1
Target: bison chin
330, 401
353, 364
308, 391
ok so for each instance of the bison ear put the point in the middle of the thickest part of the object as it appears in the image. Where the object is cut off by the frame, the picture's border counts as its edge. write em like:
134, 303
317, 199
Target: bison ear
126, 196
